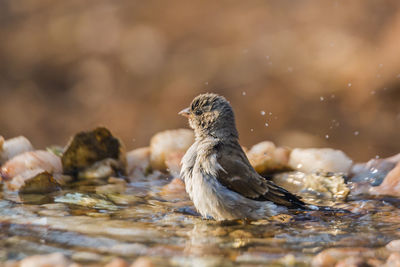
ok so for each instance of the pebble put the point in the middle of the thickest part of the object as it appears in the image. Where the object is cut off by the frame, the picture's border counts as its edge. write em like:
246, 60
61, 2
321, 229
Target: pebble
29, 161
53, 260
265, 157
86, 256
313, 159
390, 185
394, 245
12, 147
142, 262
138, 162
117, 262
164, 143
331, 256
393, 260
373, 172
174, 190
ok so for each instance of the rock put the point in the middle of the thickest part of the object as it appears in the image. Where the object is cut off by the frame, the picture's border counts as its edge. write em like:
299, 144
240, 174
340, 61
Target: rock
265, 157
314, 159
101, 169
164, 143
173, 162
33, 182
395, 158
175, 190
30, 161
117, 262
142, 262
10, 263
85, 256
87, 200
240, 234
390, 185
394, 245
373, 172
331, 256
352, 262
317, 186
138, 162
13, 147
87, 148
49, 260
393, 260
32, 172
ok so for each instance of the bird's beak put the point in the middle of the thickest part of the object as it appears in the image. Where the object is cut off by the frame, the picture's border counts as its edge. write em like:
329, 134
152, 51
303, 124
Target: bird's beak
185, 112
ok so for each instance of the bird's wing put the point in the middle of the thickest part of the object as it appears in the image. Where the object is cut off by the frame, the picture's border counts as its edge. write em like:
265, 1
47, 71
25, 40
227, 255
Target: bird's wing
238, 175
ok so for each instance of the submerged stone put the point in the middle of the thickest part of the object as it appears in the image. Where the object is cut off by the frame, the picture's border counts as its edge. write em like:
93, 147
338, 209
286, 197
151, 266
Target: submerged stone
316, 186
373, 172
390, 185
86, 200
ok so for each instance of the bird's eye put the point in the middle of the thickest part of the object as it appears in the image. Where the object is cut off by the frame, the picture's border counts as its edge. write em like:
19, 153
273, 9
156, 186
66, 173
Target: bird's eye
198, 112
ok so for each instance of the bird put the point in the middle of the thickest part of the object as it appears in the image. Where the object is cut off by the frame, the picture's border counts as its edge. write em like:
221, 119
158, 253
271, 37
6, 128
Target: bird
217, 174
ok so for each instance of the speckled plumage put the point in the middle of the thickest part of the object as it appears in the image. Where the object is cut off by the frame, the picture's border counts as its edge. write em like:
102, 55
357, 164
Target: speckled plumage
218, 176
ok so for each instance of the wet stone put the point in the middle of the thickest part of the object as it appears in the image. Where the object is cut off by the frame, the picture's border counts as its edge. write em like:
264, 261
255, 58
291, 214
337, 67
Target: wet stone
373, 172
88, 148
315, 187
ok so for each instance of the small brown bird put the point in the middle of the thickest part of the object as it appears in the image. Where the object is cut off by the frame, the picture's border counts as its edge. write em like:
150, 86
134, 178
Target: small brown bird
218, 176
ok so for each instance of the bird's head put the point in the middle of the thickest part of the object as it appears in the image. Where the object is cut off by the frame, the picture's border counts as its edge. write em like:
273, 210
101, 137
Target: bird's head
211, 115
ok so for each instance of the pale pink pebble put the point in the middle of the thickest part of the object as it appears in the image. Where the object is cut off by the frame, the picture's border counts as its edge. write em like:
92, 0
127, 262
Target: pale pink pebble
48, 260
142, 262
393, 260
393, 245
117, 262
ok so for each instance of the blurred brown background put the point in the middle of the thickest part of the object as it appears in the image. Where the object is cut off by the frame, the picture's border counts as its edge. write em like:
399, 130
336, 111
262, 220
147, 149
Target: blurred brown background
326, 73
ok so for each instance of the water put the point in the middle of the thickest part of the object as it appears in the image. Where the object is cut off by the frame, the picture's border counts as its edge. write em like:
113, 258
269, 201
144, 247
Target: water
93, 221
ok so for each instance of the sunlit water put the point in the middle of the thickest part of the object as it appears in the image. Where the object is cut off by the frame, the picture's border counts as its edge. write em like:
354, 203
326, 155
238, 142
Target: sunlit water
92, 222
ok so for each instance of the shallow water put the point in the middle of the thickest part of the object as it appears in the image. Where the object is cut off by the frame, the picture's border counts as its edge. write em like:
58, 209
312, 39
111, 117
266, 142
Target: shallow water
93, 221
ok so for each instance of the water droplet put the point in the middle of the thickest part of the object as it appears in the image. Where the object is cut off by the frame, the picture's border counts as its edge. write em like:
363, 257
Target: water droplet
333, 96
262, 112
266, 124
377, 156
356, 133
349, 84
321, 98
243, 93
374, 170
373, 92
299, 166
251, 130
270, 113
327, 136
